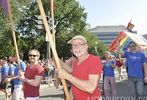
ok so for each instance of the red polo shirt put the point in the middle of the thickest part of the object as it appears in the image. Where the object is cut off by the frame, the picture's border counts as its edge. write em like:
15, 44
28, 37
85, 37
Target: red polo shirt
92, 65
30, 73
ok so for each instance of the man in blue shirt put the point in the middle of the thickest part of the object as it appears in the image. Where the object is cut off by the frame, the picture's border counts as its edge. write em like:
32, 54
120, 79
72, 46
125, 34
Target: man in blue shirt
18, 85
137, 70
4, 73
11, 73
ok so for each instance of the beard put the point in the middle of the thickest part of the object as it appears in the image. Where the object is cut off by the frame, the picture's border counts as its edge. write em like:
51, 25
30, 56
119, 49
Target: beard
79, 53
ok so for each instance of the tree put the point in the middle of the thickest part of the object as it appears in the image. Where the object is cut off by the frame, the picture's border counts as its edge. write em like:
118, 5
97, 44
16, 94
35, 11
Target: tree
70, 20
6, 41
96, 46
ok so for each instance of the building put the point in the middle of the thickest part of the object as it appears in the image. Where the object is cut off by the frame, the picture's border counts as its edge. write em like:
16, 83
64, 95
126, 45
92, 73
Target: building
145, 36
107, 34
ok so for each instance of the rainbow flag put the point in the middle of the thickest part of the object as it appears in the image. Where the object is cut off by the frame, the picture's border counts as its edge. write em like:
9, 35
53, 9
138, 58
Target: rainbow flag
125, 44
4, 4
120, 43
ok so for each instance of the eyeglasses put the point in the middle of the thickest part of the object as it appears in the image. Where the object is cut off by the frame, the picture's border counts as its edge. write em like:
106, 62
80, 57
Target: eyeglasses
33, 55
77, 45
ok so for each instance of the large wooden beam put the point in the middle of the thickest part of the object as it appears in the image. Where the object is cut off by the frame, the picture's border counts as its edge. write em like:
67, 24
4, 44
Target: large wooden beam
47, 28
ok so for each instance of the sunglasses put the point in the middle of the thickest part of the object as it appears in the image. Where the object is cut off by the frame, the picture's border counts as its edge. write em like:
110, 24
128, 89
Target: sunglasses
33, 55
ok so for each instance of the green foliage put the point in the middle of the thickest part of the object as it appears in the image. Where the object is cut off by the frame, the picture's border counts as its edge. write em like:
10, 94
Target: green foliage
6, 40
95, 46
70, 20
6, 44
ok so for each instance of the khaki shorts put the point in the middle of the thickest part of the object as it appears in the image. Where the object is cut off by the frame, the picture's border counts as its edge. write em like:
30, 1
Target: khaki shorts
18, 92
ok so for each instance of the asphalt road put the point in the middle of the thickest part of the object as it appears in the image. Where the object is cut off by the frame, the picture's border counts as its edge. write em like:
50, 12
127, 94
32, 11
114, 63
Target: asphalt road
51, 93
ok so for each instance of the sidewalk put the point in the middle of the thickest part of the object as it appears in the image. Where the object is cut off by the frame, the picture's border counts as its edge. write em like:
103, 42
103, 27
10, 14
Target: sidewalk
51, 93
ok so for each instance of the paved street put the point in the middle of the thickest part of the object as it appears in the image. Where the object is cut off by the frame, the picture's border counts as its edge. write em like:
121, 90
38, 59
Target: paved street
51, 93
123, 90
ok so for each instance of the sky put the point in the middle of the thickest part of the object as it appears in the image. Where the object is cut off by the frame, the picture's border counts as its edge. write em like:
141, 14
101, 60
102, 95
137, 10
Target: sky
116, 12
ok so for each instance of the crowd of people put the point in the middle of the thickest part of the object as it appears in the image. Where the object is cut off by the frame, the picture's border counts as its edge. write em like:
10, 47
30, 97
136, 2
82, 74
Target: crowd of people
25, 79
135, 63
82, 72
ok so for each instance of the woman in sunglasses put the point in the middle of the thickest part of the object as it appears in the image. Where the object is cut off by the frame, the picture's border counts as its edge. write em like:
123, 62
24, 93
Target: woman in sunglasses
33, 76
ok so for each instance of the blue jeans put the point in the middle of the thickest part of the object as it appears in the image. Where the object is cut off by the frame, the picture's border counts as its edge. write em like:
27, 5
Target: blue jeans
136, 86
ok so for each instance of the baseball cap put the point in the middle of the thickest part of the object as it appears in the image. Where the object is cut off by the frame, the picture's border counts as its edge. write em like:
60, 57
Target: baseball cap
77, 37
107, 52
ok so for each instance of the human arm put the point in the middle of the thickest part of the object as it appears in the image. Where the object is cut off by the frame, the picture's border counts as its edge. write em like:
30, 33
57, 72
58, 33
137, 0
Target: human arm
121, 54
13, 77
34, 82
145, 68
18, 70
90, 82
113, 64
66, 66
145, 72
85, 85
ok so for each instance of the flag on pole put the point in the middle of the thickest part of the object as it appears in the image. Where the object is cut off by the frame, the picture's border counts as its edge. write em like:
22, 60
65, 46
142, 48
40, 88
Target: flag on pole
115, 44
4, 4
121, 42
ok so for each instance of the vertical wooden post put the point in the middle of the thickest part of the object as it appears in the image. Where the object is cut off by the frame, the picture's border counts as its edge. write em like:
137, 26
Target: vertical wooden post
52, 46
52, 16
13, 32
